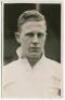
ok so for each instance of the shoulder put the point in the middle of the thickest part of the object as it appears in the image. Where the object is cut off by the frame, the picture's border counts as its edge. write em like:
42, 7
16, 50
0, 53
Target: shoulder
9, 67
52, 62
12, 65
55, 68
10, 71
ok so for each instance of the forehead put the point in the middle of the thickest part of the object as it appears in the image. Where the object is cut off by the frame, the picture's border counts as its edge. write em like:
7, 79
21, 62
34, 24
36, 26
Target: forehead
34, 26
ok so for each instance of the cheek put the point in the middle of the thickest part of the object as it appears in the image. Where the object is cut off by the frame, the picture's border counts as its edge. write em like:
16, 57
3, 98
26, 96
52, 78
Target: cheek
42, 41
26, 42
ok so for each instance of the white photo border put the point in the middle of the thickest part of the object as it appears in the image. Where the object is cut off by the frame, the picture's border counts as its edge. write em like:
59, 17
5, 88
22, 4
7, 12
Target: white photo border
62, 36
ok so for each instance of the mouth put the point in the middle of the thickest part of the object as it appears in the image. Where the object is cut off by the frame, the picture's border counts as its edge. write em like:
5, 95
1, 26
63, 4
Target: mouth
34, 49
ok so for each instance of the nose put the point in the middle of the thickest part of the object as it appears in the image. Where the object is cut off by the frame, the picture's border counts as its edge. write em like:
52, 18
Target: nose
35, 39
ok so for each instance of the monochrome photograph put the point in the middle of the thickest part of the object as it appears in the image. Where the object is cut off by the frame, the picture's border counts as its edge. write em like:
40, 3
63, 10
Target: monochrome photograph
31, 50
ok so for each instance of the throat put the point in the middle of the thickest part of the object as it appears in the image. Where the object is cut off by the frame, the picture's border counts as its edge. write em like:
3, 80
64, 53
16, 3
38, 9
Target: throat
33, 61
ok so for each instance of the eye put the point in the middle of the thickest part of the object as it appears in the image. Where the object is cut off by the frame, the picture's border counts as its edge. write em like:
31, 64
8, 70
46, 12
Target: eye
40, 35
30, 34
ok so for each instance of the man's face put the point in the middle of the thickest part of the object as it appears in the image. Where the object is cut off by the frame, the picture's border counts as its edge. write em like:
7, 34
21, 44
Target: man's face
32, 39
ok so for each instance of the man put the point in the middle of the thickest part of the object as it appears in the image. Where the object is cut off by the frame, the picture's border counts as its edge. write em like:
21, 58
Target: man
32, 75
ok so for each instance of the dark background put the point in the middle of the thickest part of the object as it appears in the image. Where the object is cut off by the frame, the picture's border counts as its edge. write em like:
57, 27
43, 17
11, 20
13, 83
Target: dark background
52, 13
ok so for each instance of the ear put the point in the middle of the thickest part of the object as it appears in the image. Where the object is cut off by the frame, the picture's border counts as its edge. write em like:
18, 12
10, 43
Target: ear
17, 36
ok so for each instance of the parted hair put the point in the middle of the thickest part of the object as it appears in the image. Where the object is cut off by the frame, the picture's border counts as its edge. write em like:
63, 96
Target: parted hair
30, 15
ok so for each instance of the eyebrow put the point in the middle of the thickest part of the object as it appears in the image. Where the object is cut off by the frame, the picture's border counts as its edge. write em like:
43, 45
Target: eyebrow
32, 33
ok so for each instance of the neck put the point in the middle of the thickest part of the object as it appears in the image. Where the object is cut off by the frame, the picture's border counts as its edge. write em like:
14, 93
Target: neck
33, 61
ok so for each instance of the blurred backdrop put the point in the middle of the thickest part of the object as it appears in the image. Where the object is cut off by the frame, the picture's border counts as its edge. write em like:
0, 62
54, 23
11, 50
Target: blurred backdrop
52, 13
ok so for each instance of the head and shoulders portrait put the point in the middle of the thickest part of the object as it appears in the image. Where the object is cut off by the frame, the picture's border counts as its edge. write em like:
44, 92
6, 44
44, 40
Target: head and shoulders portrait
35, 70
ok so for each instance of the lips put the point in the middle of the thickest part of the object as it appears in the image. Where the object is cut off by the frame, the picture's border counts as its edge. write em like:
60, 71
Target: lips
34, 49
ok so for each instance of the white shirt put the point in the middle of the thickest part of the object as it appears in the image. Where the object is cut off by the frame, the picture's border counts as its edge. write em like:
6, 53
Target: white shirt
19, 79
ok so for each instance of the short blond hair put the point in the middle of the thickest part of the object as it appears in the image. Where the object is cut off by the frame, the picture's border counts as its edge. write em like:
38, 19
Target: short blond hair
30, 15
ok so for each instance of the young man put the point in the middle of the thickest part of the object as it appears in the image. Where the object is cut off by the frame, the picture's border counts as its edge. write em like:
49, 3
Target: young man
32, 75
